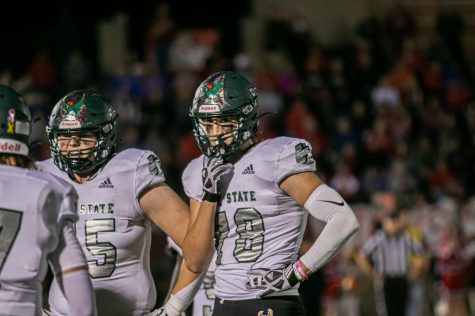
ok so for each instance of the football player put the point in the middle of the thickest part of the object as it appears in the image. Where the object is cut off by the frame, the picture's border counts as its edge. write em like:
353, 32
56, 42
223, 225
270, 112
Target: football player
251, 198
37, 214
120, 196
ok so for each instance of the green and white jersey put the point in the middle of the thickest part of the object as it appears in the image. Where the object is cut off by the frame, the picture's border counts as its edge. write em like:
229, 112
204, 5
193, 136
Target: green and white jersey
33, 207
114, 233
258, 226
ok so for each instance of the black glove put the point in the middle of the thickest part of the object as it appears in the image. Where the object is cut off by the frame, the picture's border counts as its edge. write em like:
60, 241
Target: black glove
213, 170
271, 281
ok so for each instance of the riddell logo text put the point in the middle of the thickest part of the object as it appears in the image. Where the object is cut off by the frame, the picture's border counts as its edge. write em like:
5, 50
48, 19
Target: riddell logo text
65, 124
8, 147
69, 123
209, 108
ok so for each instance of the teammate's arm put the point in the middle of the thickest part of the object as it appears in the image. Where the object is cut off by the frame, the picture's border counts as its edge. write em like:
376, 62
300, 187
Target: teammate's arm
167, 210
185, 285
184, 290
70, 268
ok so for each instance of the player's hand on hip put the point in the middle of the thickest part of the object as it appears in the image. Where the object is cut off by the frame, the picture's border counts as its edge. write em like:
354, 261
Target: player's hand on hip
273, 280
45, 312
213, 169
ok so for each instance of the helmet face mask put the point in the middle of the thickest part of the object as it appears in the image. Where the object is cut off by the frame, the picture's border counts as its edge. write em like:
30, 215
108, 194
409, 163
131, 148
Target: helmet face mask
15, 123
230, 101
82, 113
81, 158
216, 135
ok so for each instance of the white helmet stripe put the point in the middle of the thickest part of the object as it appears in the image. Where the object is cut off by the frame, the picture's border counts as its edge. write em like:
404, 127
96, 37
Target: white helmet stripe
11, 146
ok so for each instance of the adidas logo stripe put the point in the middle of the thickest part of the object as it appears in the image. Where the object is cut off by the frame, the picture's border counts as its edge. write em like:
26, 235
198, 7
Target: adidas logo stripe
249, 170
106, 184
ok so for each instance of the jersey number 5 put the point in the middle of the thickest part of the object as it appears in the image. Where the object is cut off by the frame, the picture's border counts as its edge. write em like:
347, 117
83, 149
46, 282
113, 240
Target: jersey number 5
105, 267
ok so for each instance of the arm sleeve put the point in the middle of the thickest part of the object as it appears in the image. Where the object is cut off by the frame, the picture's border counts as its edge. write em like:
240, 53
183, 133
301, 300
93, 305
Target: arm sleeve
179, 302
327, 205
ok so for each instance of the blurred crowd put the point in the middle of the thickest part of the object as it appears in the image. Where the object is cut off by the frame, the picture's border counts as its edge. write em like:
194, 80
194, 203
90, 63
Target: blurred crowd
391, 123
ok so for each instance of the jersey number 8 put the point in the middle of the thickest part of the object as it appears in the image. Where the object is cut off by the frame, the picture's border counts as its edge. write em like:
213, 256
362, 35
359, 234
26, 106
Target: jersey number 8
249, 227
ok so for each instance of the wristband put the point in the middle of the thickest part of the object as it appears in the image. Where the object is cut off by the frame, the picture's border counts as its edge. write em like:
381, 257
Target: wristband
299, 271
211, 197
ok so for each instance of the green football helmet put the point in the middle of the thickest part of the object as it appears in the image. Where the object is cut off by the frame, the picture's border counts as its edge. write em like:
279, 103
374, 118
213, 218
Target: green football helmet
82, 111
15, 123
224, 95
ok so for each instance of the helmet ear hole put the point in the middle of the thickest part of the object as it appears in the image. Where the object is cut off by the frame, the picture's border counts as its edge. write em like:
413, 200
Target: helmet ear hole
107, 128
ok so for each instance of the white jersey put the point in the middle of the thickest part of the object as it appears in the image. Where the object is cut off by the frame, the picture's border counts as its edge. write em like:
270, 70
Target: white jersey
258, 226
203, 301
33, 207
114, 233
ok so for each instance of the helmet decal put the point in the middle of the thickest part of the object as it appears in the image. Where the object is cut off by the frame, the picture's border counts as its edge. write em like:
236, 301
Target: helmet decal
15, 118
11, 121
15, 126
72, 111
212, 95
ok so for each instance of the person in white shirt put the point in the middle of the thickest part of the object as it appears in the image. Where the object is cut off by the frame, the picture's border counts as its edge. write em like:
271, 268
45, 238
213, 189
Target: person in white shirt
37, 217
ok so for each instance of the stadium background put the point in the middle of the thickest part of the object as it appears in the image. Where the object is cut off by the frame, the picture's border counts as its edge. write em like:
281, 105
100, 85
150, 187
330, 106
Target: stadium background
382, 89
